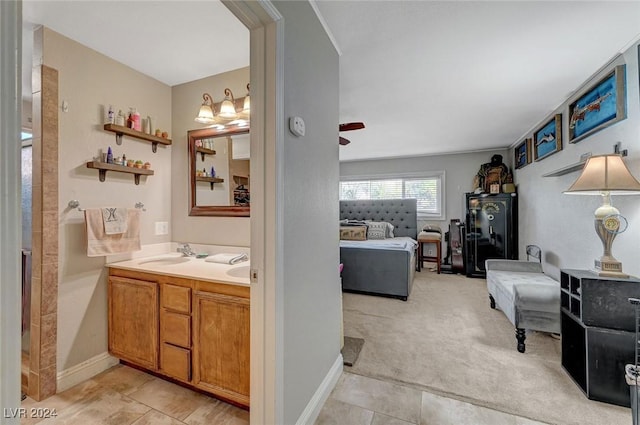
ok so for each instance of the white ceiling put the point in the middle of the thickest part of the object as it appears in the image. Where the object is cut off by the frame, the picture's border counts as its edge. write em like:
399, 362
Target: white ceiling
172, 41
426, 77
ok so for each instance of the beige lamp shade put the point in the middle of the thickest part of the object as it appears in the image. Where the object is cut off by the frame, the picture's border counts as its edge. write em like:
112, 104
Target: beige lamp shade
605, 173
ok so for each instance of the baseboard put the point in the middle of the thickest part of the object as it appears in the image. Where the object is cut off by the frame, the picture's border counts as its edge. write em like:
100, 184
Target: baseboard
311, 412
85, 370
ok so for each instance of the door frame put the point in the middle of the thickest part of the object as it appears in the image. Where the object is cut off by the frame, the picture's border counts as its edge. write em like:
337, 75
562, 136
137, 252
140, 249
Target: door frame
10, 194
266, 26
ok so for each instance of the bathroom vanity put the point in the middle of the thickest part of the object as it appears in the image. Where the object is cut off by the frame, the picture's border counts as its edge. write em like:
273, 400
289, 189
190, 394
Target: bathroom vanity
183, 319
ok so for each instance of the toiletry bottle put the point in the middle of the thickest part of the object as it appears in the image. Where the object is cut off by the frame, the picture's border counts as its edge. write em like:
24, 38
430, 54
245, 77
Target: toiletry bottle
204, 172
124, 159
109, 156
130, 122
110, 115
150, 122
213, 172
120, 118
137, 123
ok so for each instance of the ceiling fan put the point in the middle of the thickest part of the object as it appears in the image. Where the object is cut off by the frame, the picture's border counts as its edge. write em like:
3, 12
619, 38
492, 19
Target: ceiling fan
348, 127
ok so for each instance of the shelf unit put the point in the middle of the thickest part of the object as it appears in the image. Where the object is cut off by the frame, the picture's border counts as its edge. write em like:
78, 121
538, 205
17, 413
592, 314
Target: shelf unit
598, 332
103, 167
120, 130
211, 180
241, 180
566, 170
205, 151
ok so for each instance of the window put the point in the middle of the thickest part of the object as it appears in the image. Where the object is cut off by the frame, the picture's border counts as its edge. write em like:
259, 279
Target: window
426, 188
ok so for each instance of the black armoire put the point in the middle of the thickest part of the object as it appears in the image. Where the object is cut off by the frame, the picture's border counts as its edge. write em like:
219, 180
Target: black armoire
491, 230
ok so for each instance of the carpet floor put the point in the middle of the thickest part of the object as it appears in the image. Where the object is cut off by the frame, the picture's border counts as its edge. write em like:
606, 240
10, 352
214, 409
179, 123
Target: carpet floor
445, 339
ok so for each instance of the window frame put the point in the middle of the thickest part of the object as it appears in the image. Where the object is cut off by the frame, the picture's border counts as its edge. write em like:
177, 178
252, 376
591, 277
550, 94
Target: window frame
421, 215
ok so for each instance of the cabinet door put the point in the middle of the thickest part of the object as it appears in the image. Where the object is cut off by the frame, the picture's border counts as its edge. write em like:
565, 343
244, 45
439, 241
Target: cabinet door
221, 345
133, 321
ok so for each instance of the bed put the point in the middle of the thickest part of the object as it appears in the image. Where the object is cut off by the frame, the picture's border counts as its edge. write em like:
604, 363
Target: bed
375, 267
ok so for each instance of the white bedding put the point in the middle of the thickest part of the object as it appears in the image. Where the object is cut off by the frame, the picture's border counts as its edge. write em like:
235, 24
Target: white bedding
403, 243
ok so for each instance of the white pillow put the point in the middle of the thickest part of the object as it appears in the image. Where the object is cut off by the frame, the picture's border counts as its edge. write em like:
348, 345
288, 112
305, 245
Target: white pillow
389, 230
377, 230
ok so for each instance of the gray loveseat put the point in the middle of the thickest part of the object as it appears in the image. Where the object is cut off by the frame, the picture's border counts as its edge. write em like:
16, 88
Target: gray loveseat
529, 298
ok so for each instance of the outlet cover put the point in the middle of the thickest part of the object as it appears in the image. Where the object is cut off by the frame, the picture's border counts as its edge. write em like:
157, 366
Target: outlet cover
162, 228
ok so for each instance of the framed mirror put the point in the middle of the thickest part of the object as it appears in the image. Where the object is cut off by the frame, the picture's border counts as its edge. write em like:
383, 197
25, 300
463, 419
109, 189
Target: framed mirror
219, 172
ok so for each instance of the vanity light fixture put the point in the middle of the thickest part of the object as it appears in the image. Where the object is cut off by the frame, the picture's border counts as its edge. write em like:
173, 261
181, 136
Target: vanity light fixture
227, 111
205, 114
246, 107
606, 175
228, 106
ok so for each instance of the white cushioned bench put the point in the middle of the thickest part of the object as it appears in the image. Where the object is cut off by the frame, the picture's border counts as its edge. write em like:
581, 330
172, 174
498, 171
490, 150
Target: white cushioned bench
529, 298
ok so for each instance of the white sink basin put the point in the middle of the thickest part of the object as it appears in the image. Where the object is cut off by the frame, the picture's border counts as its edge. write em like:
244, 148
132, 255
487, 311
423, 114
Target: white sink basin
165, 260
242, 271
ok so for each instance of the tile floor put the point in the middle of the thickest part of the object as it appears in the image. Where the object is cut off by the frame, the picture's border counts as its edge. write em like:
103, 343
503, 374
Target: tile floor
126, 396
359, 400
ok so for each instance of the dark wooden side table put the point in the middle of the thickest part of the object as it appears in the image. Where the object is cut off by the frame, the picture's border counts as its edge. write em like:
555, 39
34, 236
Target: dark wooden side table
598, 332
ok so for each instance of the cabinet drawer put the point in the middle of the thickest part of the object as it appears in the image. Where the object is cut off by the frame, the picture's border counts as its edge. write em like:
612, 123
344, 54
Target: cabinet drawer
176, 362
176, 298
176, 329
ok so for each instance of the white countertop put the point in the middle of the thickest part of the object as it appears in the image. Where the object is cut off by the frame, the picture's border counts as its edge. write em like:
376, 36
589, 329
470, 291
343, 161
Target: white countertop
175, 264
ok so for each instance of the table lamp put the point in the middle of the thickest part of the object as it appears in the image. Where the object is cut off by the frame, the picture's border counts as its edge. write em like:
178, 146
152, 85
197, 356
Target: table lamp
606, 175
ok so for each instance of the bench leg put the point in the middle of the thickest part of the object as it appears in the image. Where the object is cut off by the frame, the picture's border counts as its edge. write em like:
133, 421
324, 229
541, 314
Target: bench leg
520, 336
492, 302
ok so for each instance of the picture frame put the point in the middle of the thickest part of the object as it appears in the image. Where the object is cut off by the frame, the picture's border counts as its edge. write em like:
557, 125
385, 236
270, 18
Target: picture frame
599, 106
522, 154
547, 139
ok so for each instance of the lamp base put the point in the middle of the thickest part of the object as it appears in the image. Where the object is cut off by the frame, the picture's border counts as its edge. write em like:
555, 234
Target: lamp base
609, 268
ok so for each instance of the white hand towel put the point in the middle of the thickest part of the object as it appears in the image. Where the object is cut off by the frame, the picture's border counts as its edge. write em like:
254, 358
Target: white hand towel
227, 258
115, 220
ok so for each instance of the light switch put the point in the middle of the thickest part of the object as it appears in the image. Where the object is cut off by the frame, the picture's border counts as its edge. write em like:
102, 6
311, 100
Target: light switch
162, 228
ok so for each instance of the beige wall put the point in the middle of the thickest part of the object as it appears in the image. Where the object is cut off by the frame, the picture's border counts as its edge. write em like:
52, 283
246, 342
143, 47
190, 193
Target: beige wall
88, 81
187, 98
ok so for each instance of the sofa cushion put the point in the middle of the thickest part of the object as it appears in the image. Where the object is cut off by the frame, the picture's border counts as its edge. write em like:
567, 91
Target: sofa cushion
508, 279
538, 297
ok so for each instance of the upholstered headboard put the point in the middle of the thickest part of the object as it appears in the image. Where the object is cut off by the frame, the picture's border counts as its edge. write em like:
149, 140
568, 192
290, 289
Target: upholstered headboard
401, 213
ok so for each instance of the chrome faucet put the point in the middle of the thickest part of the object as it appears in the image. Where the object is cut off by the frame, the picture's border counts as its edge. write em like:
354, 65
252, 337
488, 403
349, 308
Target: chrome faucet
186, 250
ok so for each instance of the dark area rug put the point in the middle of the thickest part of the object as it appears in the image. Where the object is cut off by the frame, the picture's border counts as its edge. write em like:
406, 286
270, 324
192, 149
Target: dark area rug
351, 350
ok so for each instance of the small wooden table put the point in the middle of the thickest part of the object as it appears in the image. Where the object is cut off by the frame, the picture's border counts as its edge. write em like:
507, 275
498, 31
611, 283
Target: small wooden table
430, 238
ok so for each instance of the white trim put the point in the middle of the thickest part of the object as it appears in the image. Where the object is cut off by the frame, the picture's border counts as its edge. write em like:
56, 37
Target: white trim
312, 410
85, 370
10, 217
385, 176
427, 155
267, 128
323, 22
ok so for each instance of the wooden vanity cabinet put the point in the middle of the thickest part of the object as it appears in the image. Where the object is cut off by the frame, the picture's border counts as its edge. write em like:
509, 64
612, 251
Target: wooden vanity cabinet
175, 329
221, 337
133, 320
192, 331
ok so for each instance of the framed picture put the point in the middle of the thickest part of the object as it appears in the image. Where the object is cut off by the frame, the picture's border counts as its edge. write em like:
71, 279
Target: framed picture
547, 140
601, 105
522, 154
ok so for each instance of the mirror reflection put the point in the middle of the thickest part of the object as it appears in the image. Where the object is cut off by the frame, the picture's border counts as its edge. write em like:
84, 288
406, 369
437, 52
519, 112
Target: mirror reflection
219, 172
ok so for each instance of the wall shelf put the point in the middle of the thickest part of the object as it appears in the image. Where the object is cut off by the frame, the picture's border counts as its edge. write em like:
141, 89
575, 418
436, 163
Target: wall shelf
244, 180
103, 167
566, 170
120, 130
205, 151
211, 180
